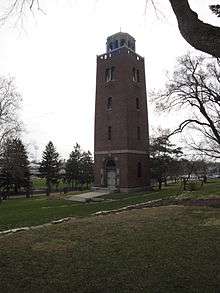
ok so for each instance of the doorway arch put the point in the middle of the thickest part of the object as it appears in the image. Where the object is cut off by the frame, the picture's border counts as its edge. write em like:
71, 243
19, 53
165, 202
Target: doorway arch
110, 171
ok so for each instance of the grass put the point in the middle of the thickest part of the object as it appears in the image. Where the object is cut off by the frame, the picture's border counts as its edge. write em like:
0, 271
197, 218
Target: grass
165, 249
38, 210
40, 183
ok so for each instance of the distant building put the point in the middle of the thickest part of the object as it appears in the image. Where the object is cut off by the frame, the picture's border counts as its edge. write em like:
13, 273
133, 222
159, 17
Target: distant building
121, 118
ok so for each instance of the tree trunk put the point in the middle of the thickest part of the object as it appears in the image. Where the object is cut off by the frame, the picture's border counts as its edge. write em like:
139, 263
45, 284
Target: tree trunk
165, 181
160, 184
48, 188
200, 35
184, 183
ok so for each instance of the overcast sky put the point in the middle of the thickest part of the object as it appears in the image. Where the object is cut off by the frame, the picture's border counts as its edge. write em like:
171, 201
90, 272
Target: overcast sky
53, 60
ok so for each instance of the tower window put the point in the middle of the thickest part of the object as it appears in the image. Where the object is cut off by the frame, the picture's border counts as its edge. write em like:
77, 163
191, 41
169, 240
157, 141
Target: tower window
122, 42
138, 133
107, 74
134, 76
139, 170
109, 133
137, 104
110, 74
109, 103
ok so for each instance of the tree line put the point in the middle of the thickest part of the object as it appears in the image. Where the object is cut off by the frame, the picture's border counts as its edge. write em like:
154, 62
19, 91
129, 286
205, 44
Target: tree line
194, 86
15, 173
78, 170
169, 163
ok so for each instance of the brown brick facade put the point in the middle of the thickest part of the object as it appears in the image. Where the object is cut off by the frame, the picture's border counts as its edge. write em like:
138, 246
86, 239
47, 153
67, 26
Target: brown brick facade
125, 117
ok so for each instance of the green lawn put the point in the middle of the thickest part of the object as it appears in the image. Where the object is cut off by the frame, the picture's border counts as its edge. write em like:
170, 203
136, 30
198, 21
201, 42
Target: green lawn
38, 210
165, 249
40, 183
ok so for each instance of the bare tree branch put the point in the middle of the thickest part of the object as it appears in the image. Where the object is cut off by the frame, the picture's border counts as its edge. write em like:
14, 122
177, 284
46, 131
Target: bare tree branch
18, 8
200, 35
195, 86
9, 104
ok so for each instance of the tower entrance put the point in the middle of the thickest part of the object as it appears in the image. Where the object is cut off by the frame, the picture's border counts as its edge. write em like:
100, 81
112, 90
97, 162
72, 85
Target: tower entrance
110, 171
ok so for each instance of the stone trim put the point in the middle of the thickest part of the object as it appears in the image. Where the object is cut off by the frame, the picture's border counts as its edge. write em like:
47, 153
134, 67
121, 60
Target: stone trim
121, 152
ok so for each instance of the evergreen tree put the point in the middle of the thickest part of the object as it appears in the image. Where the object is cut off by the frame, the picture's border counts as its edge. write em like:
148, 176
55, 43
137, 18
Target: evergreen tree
50, 166
163, 157
15, 172
86, 168
73, 166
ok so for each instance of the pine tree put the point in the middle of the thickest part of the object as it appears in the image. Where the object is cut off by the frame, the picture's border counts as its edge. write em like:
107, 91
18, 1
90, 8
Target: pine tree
86, 168
50, 166
73, 166
15, 172
163, 157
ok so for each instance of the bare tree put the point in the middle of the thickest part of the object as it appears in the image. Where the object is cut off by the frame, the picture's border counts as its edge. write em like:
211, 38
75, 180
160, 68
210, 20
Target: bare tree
18, 8
9, 104
200, 35
195, 86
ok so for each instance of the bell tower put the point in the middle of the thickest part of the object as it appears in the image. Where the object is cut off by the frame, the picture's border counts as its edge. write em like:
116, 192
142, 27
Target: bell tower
121, 121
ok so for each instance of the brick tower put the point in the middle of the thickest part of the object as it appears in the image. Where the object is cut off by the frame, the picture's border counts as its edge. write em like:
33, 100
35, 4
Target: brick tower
121, 121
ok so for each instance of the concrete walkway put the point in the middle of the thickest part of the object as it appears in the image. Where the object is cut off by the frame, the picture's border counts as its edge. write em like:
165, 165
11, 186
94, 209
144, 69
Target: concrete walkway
84, 197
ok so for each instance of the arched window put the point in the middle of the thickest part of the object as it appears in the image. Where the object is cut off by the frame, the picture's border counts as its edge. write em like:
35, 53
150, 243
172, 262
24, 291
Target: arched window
134, 76
107, 74
137, 104
139, 170
110, 165
109, 103
122, 42
112, 73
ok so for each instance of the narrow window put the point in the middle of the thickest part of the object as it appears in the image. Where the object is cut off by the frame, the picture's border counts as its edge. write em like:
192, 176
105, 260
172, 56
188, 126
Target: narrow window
122, 42
138, 133
138, 76
112, 75
109, 103
111, 46
107, 74
116, 44
109, 133
137, 104
129, 44
134, 77
139, 170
